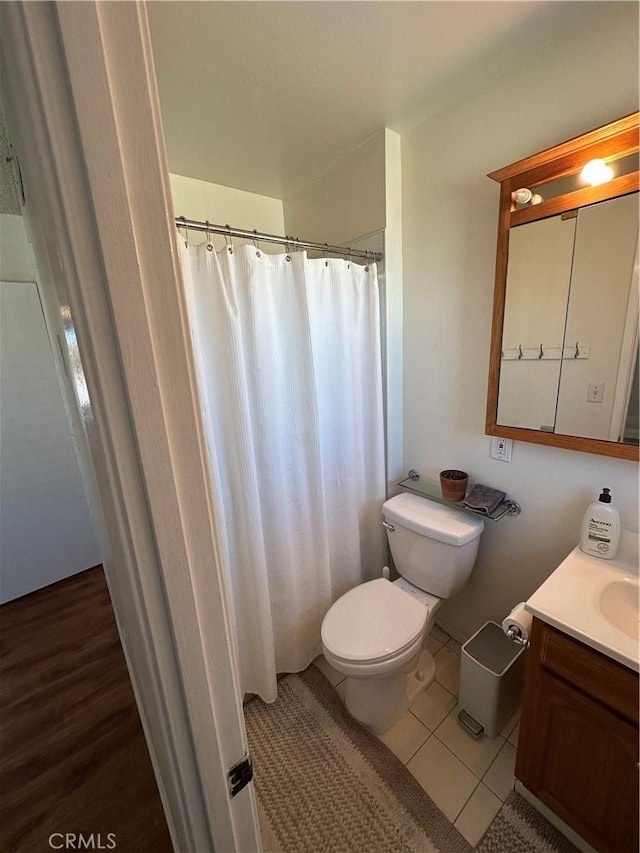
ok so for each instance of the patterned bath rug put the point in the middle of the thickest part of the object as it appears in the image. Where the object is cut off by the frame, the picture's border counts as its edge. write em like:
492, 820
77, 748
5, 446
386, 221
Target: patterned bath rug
327, 785
519, 828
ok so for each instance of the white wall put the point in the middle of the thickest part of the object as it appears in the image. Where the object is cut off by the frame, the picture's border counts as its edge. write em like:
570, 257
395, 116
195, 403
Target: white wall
584, 79
46, 531
344, 202
355, 203
393, 306
16, 258
226, 206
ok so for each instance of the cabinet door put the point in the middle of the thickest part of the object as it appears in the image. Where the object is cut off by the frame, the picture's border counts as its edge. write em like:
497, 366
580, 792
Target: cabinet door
579, 758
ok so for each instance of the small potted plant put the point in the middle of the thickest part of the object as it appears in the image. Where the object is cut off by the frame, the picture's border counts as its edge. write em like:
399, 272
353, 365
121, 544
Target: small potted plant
453, 484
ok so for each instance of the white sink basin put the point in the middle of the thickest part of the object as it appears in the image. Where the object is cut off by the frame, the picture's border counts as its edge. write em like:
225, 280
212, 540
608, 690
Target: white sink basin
619, 606
596, 601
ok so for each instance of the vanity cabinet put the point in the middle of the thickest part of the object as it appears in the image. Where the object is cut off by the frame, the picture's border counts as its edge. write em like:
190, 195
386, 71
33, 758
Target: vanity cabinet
578, 744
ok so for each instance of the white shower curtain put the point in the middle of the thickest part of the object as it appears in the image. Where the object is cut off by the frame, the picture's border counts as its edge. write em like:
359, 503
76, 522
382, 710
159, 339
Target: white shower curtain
289, 371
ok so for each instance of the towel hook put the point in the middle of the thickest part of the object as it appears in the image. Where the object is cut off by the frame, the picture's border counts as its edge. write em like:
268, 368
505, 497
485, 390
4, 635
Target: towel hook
520, 353
541, 353
577, 352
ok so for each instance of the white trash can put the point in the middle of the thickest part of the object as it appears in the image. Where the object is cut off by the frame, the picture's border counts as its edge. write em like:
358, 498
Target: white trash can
491, 680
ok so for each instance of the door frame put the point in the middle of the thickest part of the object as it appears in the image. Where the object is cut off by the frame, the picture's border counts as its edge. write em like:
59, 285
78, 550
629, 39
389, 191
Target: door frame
627, 358
80, 95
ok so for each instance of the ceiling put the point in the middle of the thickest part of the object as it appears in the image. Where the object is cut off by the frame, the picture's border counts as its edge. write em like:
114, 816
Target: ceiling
265, 96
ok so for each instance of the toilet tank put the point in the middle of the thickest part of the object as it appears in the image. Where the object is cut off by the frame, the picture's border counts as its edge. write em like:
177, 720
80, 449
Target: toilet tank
433, 546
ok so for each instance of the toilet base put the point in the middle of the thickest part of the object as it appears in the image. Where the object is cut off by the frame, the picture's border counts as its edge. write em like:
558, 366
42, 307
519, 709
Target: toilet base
378, 703
422, 676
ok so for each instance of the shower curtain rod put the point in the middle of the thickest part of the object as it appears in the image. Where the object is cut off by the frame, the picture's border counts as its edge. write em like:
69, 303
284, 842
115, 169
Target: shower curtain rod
210, 228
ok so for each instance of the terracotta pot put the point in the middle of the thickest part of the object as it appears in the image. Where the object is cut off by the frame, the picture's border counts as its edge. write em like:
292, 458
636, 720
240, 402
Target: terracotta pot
453, 484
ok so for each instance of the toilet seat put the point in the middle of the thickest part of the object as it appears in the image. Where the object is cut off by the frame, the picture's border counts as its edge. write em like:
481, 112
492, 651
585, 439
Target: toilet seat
373, 623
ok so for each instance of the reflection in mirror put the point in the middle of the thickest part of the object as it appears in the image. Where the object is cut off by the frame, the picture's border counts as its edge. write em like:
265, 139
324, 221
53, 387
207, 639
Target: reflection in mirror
603, 305
538, 278
631, 432
563, 367
570, 333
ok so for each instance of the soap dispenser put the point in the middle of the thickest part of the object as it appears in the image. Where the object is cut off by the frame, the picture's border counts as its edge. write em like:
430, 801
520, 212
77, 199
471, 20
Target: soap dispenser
601, 528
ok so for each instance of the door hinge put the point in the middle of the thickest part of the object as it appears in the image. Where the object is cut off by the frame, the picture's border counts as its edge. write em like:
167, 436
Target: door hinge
240, 775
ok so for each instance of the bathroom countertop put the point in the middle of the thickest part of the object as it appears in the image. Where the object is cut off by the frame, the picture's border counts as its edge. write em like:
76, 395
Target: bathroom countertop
585, 596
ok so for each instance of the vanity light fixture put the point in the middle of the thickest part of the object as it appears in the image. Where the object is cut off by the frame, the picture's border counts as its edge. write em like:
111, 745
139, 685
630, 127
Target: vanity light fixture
596, 172
525, 196
522, 196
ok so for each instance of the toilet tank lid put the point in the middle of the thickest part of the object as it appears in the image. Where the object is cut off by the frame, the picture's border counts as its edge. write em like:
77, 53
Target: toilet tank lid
434, 520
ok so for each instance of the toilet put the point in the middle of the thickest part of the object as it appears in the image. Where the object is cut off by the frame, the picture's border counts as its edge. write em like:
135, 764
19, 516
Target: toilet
376, 633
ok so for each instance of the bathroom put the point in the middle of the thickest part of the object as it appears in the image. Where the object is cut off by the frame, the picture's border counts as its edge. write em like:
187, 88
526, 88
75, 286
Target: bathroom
438, 381
433, 198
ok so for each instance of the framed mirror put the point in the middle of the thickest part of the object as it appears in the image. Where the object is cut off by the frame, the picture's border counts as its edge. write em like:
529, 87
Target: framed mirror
564, 345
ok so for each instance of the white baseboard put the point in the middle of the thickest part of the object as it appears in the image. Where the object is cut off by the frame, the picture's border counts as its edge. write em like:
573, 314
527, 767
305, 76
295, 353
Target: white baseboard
451, 631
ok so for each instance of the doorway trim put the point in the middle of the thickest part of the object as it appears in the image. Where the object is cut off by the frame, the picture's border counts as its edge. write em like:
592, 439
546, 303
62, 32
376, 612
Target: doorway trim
82, 110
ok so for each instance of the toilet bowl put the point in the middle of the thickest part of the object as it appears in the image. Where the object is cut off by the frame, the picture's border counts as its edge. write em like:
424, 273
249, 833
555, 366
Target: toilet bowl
376, 633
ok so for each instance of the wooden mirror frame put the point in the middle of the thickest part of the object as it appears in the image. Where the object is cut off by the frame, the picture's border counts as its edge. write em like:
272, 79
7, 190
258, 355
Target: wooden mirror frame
610, 142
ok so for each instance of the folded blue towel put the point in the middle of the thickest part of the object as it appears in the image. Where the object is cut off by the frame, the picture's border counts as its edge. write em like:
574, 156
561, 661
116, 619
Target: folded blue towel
484, 499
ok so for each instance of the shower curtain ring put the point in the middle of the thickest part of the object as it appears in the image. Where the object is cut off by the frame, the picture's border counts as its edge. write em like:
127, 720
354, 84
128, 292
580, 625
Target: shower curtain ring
256, 244
287, 247
325, 253
186, 230
227, 240
209, 243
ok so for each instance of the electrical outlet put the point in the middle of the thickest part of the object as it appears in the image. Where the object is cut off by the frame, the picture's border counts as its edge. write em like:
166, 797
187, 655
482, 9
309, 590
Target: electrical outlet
595, 392
501, 449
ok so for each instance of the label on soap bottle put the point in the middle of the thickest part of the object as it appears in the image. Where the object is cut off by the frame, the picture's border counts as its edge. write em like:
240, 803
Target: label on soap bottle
599, 534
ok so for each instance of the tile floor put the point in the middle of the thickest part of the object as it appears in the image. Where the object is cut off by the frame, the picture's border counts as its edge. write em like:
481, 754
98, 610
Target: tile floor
467, 779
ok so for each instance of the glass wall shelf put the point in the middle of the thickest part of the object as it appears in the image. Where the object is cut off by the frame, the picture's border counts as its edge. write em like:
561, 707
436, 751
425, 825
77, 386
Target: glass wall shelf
432, 491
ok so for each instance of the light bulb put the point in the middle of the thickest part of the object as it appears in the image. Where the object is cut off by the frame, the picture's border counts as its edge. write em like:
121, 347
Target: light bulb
596, 172
522, 196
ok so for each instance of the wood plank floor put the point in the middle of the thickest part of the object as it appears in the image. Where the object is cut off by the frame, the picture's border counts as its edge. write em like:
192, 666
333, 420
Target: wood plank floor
73, 758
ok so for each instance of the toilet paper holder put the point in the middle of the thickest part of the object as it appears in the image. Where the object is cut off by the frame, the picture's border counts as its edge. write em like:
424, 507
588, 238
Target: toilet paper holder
517, 624
514, 633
